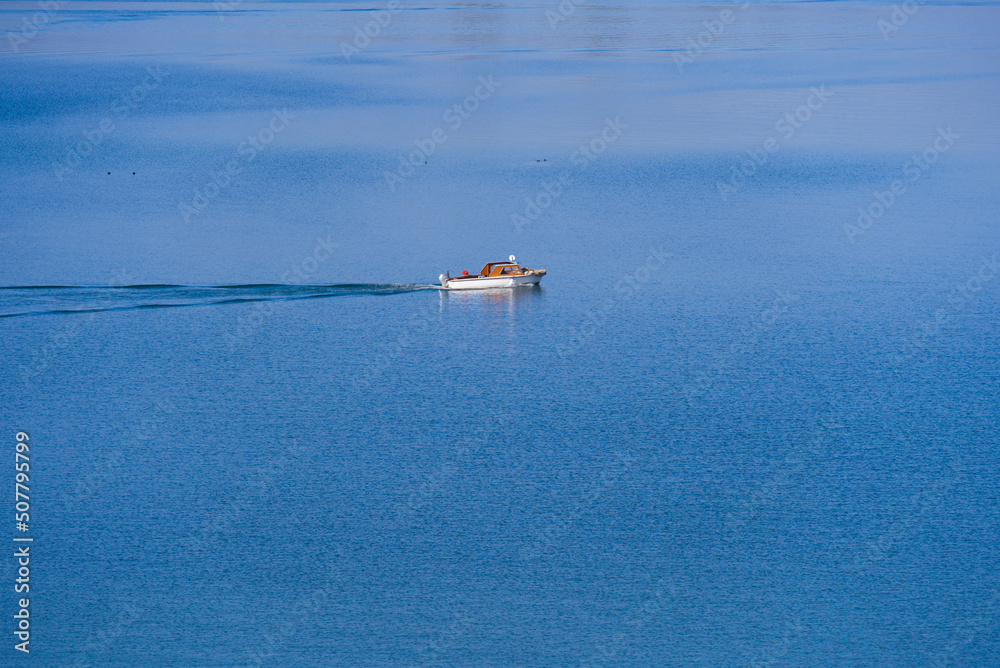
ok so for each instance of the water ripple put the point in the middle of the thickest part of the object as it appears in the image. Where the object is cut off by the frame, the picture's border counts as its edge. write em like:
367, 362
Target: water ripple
25, 300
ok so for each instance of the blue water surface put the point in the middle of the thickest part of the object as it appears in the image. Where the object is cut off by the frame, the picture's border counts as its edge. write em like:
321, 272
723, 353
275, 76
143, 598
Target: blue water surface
749, 418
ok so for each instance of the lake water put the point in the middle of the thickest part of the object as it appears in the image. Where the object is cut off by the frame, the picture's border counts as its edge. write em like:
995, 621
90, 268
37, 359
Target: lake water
749, 418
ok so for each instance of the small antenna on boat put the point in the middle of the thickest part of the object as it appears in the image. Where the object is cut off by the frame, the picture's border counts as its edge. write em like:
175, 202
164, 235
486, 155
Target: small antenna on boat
511, 258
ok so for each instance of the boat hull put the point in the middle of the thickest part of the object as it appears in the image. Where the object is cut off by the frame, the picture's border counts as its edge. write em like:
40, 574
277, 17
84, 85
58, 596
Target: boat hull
485, 283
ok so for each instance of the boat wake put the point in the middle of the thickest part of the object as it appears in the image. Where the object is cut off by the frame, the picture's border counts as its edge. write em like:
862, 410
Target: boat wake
20, 301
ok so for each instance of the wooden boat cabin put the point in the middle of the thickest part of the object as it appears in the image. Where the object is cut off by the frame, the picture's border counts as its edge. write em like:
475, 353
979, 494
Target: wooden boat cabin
498, 269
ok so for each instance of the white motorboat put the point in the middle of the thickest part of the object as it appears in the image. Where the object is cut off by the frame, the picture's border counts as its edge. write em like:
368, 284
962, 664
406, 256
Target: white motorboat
494, 275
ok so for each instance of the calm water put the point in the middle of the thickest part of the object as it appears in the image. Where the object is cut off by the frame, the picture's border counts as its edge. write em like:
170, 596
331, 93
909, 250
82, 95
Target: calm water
739, 424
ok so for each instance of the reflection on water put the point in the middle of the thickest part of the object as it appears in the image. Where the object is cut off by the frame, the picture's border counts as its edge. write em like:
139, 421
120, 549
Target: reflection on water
497, 299
501, 303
